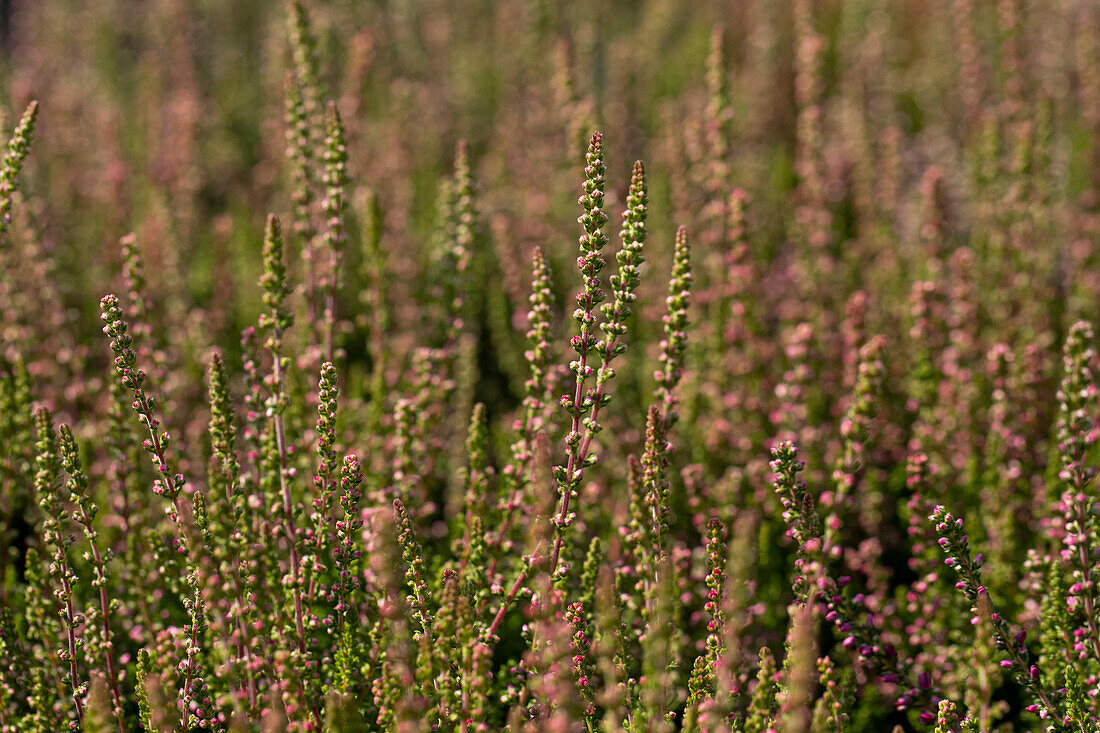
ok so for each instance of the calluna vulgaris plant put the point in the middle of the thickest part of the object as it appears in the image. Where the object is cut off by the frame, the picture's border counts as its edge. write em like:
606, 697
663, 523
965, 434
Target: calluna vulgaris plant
794, 452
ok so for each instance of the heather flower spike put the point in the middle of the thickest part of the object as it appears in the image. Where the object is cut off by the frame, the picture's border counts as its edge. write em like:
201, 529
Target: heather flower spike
85, 514
300, 153
855, 431
167, 484
303, 51
590, 263
274, 322
535, 401
347, 553
223, 430
55, 536
655, 483
703, 681
19, 146
419, 598
626, 280
335, 204
275, 283
1077, 432
676, 329
306, 149
326, 475
586, 403
1016, 657
454, 248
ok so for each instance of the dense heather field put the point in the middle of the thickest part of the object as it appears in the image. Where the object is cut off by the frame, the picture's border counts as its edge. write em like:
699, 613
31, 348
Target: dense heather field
322, 410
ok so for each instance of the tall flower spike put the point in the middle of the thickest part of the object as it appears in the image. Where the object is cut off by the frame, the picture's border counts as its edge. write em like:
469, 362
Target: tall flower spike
18, 147
335, 205
538, 319
590, 264
476, 499
1077, 432
198, 711
325, 478
536, 396
586, 403
703, 682
676, 329
274, 322
837, 698
142, 686
227, 471
305, 133
800, 515
167, 484
348, 540
763, 705
303, 51
458, 222
223, 431
955, 544
133, 273
855, 430
655, 483
576, 616
718, 116
465, 212
1077, 403
56, 538
275, 284
299, 151
592, 239
625, 282
86, 510
419, 598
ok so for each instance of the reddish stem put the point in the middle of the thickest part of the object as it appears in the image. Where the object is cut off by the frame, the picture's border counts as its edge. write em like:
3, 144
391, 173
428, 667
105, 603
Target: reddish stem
71, 634
492, 630
581, 453
104, 612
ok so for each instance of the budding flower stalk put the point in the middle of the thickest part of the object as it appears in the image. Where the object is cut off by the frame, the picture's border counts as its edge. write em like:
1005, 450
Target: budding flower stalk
86, 510
1077, 432
586, 402
956, 546
167, 484
536, 396
54, 535
325, 478
348, 540
335, 204
18, 147
274, 323
676, 329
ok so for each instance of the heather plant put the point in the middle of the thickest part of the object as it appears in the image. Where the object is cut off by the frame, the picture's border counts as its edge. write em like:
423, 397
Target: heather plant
796, 453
